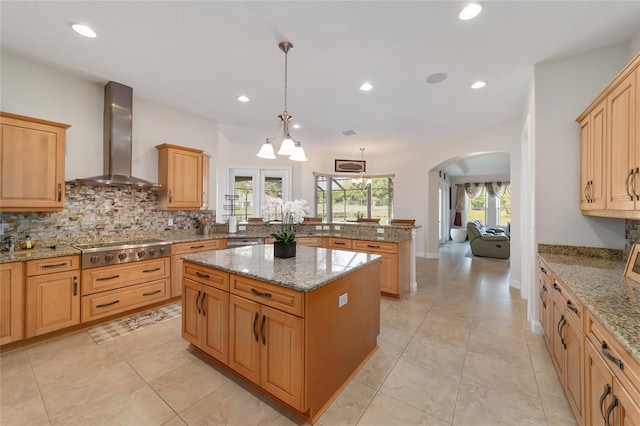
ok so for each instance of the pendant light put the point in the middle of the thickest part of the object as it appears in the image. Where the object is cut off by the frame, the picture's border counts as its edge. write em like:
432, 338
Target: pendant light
289, 146
361, 183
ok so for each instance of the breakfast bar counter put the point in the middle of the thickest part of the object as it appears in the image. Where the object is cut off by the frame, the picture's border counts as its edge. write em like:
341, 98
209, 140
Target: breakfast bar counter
297, 329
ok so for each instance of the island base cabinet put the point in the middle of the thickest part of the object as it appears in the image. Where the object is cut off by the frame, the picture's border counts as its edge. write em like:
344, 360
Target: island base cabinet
205, 319
266, 347
627, 410
53, 302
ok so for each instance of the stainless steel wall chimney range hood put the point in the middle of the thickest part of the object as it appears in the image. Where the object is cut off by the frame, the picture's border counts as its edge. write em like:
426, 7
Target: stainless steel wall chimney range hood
118, 107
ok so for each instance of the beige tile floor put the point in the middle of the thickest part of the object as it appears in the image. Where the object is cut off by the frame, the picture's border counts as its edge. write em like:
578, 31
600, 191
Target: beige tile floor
456, 352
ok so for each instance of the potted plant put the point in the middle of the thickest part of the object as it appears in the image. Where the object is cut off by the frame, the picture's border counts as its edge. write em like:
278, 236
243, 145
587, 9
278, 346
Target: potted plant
292, 213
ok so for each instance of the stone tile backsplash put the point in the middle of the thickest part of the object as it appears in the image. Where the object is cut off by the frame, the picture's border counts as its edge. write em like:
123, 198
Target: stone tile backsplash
631, 235
98, 211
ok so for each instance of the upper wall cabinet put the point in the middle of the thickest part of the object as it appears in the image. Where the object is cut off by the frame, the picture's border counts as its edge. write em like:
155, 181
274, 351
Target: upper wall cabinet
31, 164
181, 174
610, 149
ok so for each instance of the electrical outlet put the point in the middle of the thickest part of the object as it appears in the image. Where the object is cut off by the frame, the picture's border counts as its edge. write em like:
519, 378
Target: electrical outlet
242, 228
343, 300
170, 221
325, 227
318, 227
380, 230
337, 227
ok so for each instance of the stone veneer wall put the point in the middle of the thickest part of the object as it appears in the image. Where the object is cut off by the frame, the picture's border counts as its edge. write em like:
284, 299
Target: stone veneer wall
631, 235
101, 211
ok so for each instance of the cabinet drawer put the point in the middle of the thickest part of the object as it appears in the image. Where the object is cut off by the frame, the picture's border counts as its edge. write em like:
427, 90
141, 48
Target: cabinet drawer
282, 298
112, 277
197, 246
574, 308
115, 301
56, 264
339, 243
545, 270
309, 241
375, 246
207, 276
621, 363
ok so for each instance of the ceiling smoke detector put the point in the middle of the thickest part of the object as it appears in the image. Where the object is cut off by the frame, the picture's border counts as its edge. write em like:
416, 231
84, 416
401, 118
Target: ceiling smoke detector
350, 132
436, 78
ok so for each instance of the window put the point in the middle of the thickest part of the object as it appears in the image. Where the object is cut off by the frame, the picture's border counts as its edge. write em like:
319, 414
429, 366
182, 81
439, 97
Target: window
338, 199
478, 207
253, 188
504, 207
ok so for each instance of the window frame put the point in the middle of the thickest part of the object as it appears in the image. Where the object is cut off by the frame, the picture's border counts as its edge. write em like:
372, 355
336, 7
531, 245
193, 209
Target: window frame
259, 175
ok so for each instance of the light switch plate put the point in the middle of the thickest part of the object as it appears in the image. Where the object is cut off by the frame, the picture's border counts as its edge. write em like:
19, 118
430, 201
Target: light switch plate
380, 230
318, 227
343, 300
170, 222
242, 228
325, 227
337, 227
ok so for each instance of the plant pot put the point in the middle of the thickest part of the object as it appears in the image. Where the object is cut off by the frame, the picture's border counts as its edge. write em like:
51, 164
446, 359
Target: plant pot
284, 250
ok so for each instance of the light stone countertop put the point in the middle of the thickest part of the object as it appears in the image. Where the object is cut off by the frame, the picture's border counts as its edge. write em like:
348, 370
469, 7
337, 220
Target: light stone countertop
37, 253
600, 286
310, 269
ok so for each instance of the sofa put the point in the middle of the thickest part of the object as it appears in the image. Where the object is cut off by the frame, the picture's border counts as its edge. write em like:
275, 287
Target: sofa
488, 242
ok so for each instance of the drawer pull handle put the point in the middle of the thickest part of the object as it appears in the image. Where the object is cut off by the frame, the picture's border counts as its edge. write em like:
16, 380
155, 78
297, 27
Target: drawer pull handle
201, 275
75, 286
560, 326
151, 270
54, 265
170, 196
264, 320
204, 313
108, 304
557, 288
259, 293
339, 243
373, 246
151, 293
59, 192
544, 271
607, 391
610, 408
255, 332
198, 301
628, 180
572, 307
542, 292
197, 247
113, 277
610, 357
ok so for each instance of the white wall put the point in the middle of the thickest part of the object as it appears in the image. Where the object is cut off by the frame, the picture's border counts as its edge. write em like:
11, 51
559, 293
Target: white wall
563, 89
36, 90
634, 46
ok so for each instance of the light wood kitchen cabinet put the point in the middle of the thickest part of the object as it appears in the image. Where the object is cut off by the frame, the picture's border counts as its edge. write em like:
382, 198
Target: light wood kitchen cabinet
180, 249
180, 175
52, 298
545, 278
205, 181
310, 241
592, 159
205, 310
11, 302
31, 164
339, 243
612, 124
395, 266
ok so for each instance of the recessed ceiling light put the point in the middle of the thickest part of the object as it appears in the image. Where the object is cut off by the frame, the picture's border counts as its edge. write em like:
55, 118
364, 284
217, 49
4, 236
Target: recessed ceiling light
438, 77
365, 87
243, 98
470, 11
296, 126
84, 30
478, 84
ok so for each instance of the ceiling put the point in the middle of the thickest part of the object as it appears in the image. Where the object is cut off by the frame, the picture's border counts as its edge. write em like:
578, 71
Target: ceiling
199, 56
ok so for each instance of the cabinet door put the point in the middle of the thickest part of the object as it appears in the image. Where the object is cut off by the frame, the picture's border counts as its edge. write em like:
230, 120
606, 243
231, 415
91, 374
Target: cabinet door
389, 273
215, 323
574, 367
281, 336
32, 166
11, 302
53, 302
621, 145
205, 181
597, 387
597, 157
244, 337
585, 162
627, 413
184, 179
545, 308
557, 341
176, 276
191, 321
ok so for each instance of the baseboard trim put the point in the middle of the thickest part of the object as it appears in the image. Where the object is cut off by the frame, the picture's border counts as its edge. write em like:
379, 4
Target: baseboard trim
432, 255
514, 283
421, 254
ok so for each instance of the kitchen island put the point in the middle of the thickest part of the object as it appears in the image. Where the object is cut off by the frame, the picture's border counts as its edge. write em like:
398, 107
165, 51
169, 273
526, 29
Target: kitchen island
296, 329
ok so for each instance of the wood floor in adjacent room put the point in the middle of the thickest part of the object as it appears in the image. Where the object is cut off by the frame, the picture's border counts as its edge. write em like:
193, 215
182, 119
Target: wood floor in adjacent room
456, 352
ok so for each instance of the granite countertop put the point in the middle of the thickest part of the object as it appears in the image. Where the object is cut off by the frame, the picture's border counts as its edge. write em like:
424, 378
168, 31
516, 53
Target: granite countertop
310, 269
600, 286
190, 237
37, 253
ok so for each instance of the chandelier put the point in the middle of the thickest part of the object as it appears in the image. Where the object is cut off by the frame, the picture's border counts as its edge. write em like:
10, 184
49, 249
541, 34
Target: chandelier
289, 146
361, 183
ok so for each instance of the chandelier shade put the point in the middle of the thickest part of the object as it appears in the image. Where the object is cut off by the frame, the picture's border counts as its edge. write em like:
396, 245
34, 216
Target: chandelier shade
289, 146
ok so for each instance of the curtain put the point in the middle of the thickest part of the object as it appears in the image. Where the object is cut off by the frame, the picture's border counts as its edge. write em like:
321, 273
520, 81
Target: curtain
496, 189
473, 189
457, 221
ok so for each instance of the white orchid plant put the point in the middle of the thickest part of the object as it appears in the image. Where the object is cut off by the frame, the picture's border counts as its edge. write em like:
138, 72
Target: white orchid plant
291, 213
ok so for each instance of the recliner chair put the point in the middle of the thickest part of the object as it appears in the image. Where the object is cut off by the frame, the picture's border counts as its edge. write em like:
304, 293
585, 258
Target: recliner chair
486, 243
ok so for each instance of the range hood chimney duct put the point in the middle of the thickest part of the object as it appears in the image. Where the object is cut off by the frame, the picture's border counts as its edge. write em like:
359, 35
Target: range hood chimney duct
118, 108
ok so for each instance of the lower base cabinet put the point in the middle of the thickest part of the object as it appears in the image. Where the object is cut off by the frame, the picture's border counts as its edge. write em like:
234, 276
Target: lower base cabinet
11, 302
